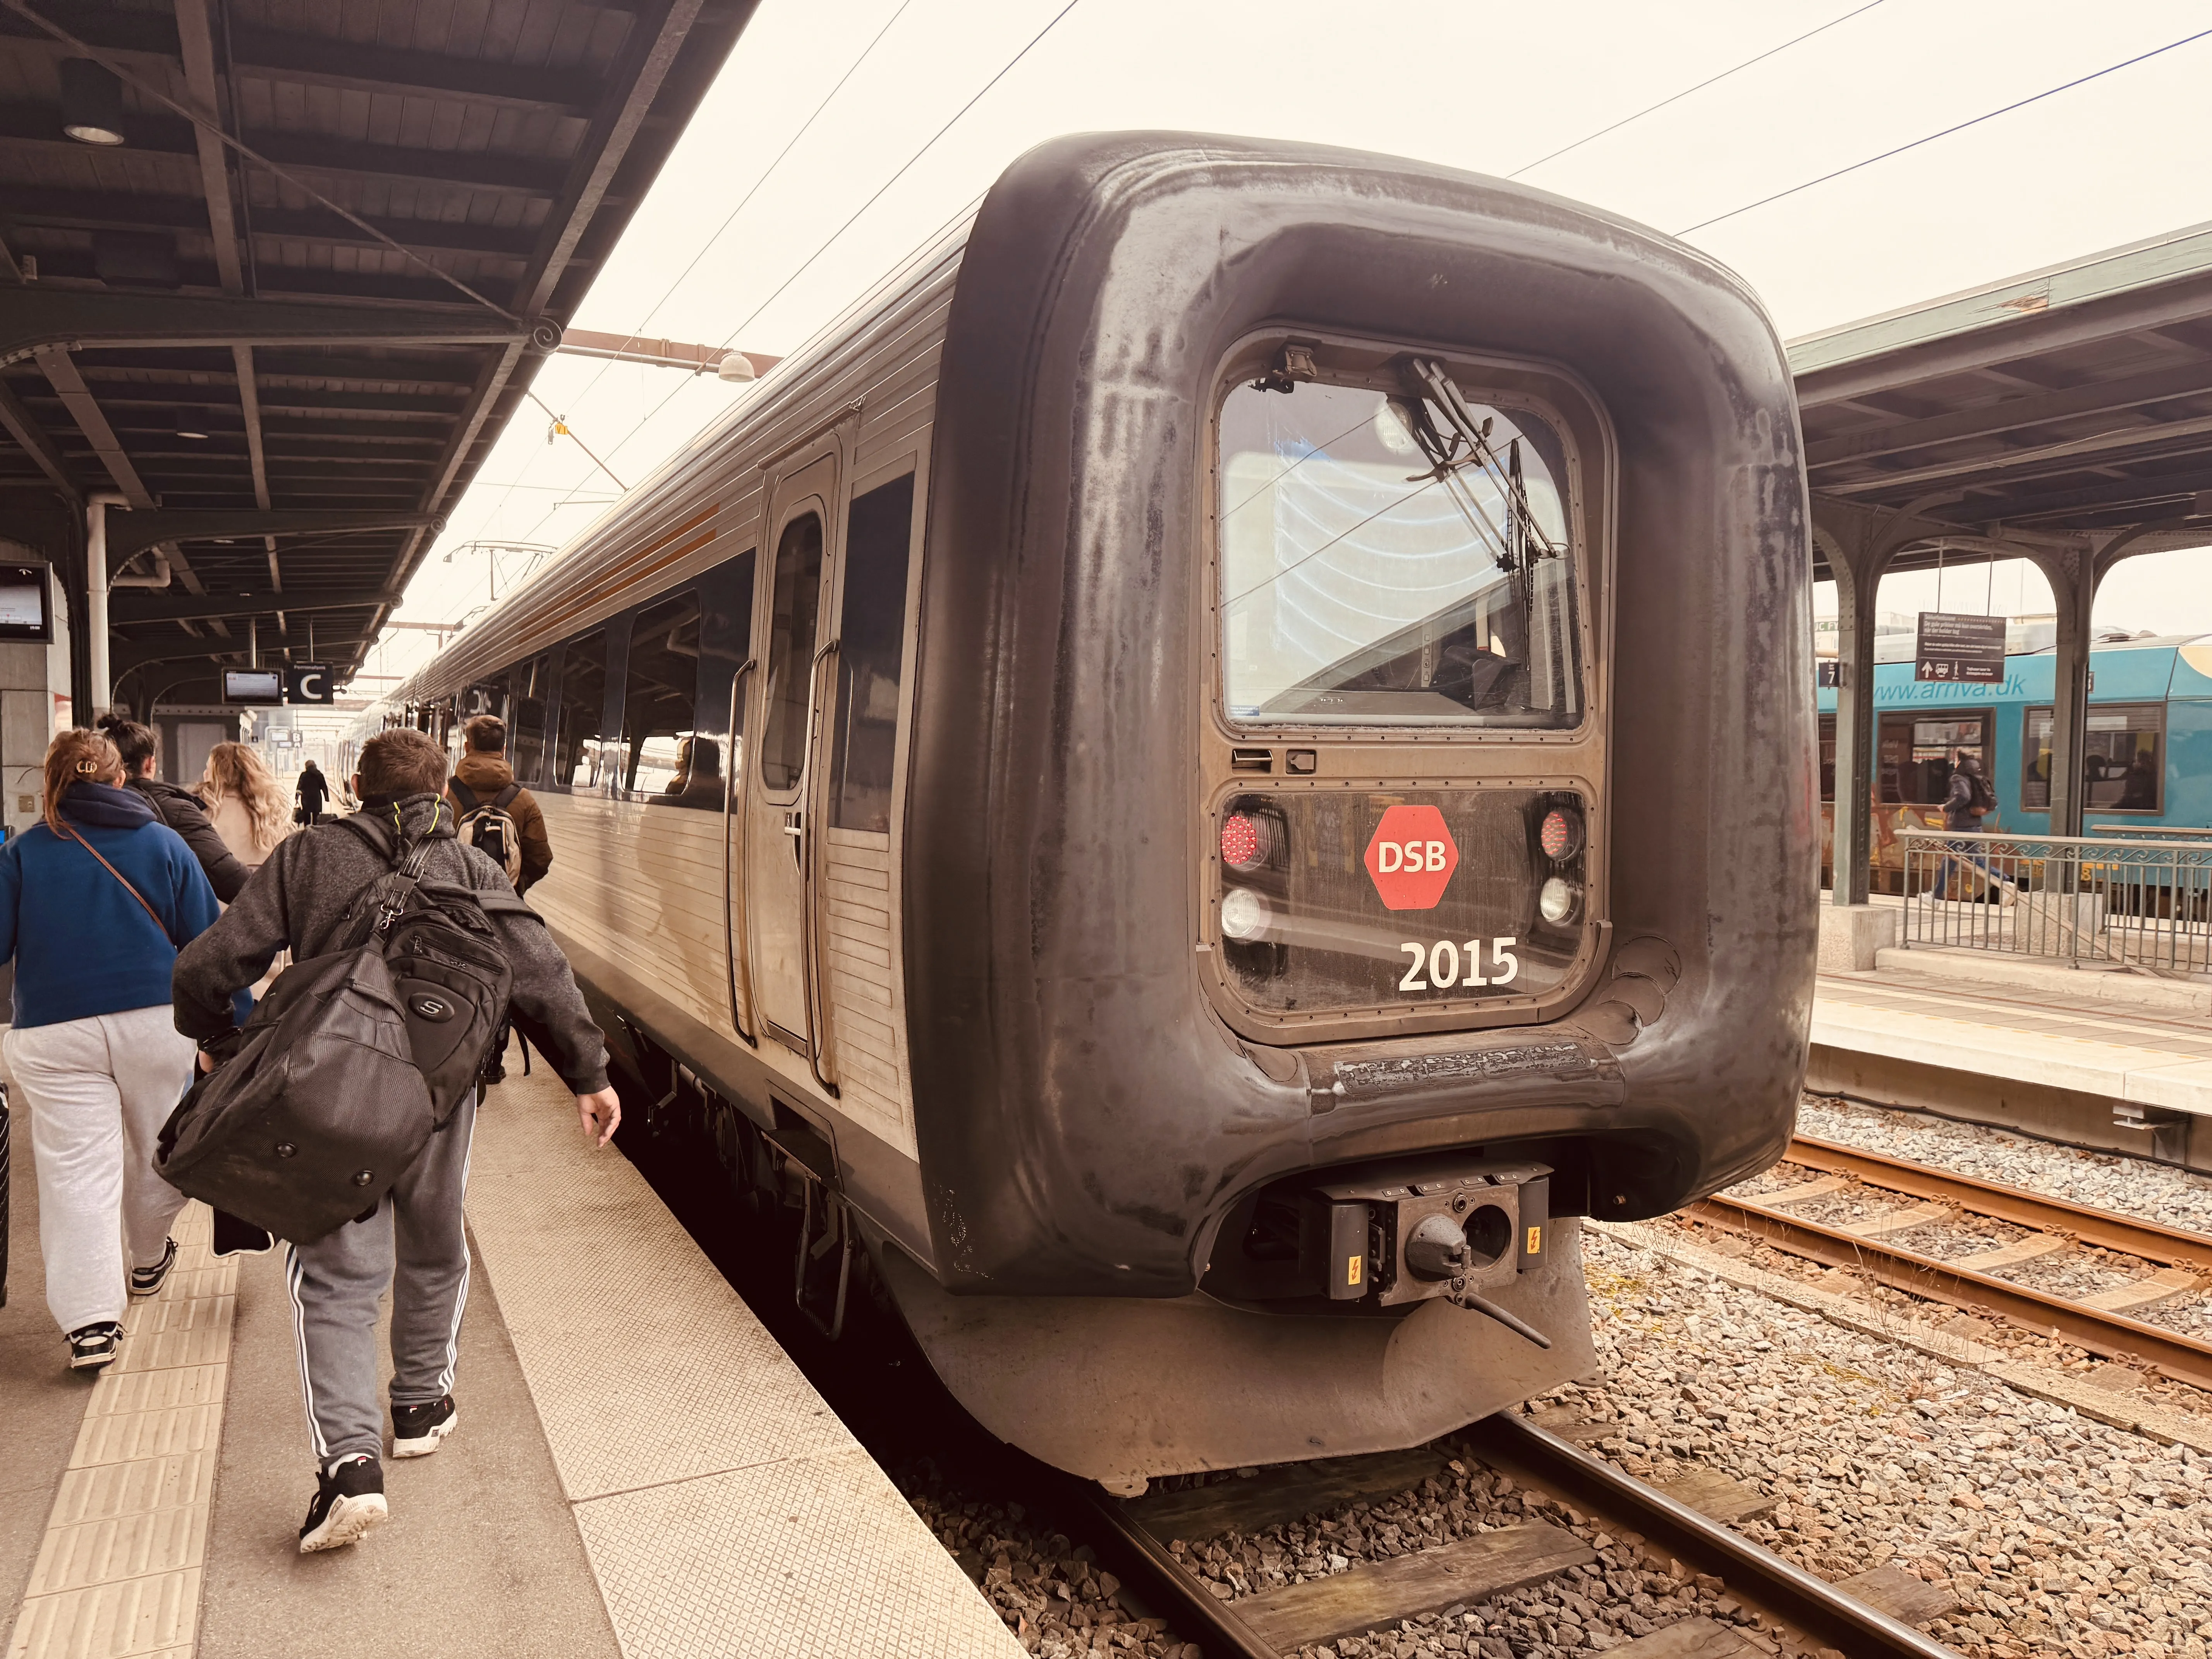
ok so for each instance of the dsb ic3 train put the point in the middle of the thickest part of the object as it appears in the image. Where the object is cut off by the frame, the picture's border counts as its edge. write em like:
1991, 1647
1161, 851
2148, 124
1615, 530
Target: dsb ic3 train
1198, 778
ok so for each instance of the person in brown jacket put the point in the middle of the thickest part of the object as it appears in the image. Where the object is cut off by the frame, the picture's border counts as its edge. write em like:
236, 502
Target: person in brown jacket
482, 780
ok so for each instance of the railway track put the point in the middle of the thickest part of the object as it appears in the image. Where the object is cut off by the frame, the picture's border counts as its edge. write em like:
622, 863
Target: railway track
2102, 1323
1159, 1530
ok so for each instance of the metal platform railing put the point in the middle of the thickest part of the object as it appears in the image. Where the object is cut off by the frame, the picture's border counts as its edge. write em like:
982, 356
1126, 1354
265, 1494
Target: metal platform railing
2144, 903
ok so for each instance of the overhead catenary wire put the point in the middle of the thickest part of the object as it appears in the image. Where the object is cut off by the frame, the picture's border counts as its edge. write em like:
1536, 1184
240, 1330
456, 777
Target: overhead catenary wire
830, 241
730, 219
904, 168
1676, 98
1960, 126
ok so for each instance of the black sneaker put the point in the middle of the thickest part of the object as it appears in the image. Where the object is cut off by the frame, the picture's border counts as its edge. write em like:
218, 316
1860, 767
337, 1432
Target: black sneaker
94, 1346
416, 1430
147, 1281
349, 1502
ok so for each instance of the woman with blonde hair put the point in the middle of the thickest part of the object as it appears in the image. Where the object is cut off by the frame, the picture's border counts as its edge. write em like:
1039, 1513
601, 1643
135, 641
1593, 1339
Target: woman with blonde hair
96, 901
248, 810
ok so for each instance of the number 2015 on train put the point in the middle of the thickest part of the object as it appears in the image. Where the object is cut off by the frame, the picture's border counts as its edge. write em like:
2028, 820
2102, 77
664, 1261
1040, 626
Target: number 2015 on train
1442, 961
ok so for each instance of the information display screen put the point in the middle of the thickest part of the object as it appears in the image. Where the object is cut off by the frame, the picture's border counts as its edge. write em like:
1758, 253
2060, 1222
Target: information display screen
255, 685
23, 603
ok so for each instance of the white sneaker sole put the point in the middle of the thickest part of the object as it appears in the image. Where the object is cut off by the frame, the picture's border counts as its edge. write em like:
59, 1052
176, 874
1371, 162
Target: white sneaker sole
349, 1519
423, 1444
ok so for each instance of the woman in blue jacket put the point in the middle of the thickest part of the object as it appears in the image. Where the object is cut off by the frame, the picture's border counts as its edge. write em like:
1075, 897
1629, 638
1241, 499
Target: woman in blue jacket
95, 902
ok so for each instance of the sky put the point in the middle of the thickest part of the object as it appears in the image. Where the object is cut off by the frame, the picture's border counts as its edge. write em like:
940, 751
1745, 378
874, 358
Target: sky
733, 247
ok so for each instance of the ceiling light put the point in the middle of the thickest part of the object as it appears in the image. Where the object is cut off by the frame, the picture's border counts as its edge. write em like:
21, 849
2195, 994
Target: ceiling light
92, 103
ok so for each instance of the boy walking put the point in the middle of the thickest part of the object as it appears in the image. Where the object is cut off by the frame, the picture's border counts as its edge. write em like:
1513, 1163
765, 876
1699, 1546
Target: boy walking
412, 1242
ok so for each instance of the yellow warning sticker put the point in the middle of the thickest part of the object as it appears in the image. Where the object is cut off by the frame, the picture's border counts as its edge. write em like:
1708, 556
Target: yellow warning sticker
1352, 1266
1535, 1241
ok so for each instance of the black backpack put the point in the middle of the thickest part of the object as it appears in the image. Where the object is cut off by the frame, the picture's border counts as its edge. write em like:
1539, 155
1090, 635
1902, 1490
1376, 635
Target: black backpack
353, 1059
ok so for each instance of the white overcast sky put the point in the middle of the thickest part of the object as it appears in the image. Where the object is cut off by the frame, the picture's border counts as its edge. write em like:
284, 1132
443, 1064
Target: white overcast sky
1491, 88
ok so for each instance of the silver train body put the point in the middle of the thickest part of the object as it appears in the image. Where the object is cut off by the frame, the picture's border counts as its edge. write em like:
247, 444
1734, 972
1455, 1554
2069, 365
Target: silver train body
1202, 775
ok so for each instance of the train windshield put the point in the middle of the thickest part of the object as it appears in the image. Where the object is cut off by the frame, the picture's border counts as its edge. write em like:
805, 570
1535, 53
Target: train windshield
1394, 559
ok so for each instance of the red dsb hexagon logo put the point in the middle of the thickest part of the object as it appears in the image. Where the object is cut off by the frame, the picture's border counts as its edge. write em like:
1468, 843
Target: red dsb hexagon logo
1411, 857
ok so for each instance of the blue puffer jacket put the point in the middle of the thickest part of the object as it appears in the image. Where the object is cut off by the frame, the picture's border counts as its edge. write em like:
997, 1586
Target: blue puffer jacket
82, 944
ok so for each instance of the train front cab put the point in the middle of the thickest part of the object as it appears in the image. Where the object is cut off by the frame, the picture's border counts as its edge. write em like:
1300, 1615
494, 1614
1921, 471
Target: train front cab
1362, 810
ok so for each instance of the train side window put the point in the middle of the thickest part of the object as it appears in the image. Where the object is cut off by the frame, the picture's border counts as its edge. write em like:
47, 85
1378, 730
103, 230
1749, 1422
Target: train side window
527, 732
2123, 759
872, 640
660, 751
582, 708
791, 643
725, 627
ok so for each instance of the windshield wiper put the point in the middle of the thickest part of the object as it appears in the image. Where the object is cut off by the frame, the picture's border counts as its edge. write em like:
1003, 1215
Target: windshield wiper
1524, 541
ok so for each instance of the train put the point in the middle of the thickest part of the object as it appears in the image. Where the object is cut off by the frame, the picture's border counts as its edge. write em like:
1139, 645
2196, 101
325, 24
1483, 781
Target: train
1146, 782
2146, 759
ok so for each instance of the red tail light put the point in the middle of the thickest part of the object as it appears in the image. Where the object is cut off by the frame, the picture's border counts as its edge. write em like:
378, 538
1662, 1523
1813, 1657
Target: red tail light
1561, 835
1244, 842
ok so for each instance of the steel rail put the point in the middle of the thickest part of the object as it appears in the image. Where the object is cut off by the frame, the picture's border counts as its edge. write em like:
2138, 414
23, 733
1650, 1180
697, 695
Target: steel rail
1540, 1460
1754, 1574
2147, 1239
2113, 1335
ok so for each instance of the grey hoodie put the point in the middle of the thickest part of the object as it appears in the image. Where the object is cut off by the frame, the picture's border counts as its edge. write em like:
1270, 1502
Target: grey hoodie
299, 898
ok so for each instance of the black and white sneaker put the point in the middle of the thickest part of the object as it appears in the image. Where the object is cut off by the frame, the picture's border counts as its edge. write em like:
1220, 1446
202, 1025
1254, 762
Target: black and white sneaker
416, 1430
91, 1347
349, 1502
147, 1281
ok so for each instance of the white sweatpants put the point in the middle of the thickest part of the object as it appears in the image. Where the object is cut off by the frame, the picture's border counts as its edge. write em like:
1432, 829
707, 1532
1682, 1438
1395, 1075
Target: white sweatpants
98, 1091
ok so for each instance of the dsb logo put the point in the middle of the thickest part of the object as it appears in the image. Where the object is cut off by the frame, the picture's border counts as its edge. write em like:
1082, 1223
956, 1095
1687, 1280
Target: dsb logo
1411, 857
1391, 857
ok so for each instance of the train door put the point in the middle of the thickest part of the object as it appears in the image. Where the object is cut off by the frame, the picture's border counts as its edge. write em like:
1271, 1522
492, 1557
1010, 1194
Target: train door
776, 834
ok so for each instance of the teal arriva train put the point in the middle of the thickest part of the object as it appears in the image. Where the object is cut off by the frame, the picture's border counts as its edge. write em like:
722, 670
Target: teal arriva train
2148, 759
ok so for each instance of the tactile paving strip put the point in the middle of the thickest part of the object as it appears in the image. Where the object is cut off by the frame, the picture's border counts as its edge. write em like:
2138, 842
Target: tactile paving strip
724, 1507
117, 1575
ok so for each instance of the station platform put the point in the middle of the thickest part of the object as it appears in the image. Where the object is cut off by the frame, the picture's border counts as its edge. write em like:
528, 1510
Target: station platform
2114, 1060
638, 1470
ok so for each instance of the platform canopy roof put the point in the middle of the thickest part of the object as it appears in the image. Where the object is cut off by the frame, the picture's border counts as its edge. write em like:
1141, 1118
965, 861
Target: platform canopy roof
2067, 409
289, 310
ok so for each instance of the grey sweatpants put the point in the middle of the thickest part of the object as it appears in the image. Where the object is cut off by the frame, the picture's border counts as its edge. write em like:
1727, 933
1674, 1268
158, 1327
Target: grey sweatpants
337, 1281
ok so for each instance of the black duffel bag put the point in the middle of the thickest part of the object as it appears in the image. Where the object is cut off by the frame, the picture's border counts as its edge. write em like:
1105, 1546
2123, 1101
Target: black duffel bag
318, 1110
352, 1061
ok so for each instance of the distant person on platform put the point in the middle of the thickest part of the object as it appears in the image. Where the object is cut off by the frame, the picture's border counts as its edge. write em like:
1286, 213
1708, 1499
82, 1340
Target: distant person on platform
483, 781
244, 803
1969, 800
311, 792
178, 808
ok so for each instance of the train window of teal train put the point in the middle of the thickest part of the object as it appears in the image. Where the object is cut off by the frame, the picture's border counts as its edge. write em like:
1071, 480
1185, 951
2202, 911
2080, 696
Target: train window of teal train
791, 639
871, 645
2123, 759
664, 755
583, 703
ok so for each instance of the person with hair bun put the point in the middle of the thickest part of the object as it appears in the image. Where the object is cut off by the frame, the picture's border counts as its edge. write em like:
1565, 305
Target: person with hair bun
96, 901
180, 809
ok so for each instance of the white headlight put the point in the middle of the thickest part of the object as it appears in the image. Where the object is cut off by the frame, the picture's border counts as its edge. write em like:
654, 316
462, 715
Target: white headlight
1245, 914
1558, 900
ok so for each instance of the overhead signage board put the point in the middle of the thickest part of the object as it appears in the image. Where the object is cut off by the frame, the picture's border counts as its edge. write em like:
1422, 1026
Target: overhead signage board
257, 686
1962, 649
309, 681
